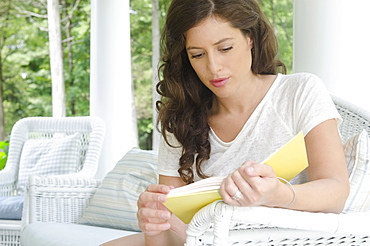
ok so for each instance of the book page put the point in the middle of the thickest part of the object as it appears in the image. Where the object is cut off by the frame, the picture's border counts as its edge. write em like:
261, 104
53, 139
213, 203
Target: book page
212, 183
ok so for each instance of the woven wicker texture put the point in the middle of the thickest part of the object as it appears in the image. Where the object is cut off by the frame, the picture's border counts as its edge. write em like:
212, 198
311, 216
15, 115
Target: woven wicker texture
58, 199
9, 233
91, 131
355, 119
221, 224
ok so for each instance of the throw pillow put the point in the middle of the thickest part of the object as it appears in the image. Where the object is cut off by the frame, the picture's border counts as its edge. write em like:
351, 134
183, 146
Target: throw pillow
11, 207
357, 151
114, 204
48, 156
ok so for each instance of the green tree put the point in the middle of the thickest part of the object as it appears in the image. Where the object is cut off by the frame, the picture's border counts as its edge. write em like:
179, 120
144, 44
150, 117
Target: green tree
15, 58
4, 147
280, 14
25, 80
76, 33
141, 53
4, 23
142, 71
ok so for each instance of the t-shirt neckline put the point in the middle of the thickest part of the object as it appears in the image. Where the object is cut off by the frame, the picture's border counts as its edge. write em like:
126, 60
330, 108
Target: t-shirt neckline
258, 108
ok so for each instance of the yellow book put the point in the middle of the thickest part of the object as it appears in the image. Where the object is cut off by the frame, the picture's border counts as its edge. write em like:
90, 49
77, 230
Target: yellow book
185, 201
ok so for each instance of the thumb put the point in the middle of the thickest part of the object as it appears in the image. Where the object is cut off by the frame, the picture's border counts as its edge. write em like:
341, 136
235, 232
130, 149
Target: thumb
262, 170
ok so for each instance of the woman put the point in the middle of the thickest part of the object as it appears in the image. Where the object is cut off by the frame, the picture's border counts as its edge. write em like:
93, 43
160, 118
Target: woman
225, 108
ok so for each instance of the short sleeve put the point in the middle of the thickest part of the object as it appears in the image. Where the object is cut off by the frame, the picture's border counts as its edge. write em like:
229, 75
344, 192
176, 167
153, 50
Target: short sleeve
169, 156
314, 104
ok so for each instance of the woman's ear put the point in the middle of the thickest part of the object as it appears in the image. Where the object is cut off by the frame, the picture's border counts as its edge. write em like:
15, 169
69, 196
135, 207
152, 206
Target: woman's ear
249, 41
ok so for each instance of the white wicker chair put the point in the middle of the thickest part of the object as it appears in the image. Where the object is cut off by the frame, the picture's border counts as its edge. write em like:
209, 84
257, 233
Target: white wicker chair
58, 199
355, 119
222, 224
91, 135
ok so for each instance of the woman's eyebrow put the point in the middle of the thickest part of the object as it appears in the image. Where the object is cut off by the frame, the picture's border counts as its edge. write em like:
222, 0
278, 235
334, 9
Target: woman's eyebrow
222, 40
217, 43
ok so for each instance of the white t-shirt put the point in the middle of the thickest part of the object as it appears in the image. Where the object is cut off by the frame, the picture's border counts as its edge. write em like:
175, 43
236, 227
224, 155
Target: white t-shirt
294, 103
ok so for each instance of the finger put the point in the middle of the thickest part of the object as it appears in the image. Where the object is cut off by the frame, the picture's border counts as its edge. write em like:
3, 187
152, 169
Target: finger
226, 193
251, 187
232, 192
246, 184
253, 169
153, 221
150, 197
153, 215
153, 229
159, 188
154, 193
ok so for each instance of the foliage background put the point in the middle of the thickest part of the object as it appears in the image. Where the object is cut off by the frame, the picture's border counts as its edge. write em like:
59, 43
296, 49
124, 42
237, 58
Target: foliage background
24, 62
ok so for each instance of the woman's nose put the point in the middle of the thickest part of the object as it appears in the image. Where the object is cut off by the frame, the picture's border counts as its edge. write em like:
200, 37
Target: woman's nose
214, 65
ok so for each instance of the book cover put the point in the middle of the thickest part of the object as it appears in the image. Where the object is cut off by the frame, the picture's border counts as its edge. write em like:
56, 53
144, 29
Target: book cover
185, 201
287, 162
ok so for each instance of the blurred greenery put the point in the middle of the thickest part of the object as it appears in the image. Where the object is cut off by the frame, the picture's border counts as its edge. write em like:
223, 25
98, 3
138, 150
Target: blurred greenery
4, 147
24, 61
25, 80
280, 14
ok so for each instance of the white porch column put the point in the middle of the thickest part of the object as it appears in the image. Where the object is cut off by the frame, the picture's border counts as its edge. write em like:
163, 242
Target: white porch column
331, 40
110, 85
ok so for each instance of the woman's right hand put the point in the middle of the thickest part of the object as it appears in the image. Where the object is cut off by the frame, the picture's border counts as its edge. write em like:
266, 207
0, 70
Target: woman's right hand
152, 215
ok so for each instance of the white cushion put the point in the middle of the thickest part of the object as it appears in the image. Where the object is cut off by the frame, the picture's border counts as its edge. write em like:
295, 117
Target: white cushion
59, 234
357, 151
48, 156
11, 207
114, 204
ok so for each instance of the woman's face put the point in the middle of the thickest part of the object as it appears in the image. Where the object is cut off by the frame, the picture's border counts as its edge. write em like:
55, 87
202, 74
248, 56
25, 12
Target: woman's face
220, 55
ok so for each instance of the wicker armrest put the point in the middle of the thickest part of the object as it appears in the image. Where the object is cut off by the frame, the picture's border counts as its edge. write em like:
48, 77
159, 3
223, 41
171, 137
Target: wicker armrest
58, 199
7, 182
241, 223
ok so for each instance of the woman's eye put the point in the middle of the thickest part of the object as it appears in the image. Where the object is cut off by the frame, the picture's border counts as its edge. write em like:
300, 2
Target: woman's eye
196, 56
227, 49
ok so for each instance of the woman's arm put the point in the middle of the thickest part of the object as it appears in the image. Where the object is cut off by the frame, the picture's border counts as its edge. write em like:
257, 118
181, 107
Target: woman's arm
160, 227
328, 186
326, 191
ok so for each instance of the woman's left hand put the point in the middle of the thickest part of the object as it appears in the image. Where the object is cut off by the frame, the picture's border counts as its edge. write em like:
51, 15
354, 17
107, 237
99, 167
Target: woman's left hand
252, 184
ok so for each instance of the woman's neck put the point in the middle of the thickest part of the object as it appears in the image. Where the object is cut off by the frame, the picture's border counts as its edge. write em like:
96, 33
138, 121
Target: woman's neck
228, 116
247, 97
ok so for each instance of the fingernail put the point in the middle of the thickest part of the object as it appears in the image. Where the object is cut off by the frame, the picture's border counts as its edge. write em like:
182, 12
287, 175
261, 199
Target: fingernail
166, 215
250, 170
161, 198
165, 189
166, 226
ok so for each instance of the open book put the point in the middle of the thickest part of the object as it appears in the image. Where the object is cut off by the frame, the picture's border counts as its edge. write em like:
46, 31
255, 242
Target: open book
185, 201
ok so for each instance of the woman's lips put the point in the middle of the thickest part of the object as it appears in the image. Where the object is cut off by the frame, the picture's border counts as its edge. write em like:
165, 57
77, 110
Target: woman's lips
219, 82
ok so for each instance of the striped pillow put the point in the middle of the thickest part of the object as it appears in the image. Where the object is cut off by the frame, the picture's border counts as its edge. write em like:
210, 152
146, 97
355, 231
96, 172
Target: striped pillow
357, 151
48, 156
114, 203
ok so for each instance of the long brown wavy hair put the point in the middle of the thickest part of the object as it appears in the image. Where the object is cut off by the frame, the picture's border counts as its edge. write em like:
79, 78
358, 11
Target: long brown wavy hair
185, 104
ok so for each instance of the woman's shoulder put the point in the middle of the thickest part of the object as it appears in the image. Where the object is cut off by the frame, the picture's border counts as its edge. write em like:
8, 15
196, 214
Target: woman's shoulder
289, 88
300, 78
300, 83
